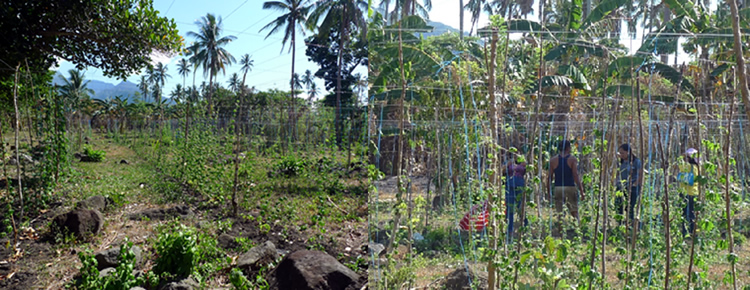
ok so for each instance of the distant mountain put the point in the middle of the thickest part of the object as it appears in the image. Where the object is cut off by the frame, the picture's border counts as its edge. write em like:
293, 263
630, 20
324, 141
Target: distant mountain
103, 90
440, 28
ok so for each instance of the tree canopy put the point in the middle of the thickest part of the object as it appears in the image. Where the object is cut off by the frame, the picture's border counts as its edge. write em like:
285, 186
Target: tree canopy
117, 37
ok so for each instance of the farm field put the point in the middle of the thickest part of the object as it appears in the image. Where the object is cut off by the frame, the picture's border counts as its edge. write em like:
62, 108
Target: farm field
294, 201
380, 144
611, 138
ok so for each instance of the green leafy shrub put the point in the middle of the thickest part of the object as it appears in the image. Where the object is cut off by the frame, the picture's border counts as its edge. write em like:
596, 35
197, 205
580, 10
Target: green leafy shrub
210, 257
122, 278
94, 155
176, 252
238, 280
289, 166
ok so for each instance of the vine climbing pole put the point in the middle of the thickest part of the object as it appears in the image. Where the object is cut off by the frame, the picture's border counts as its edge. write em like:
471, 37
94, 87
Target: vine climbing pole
18, 154
400, 141
727, 200
700, 195
495, 160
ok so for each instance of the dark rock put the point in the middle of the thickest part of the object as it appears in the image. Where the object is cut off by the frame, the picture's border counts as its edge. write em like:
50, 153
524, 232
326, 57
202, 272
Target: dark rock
96, 202
106, 272
459, 279
184, 284
25, 159
109, 258
381, 236
258, 256
312, 270
124, 162
227, 241
86, 158
181, 211
80, 222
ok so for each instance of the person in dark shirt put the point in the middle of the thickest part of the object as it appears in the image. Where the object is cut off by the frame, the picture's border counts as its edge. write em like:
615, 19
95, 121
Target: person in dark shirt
563, 168
515, 182
630, 180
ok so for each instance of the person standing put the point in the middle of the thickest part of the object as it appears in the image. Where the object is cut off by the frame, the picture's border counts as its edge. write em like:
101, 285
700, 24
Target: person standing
563, 168
514, 190
688, 188
630, 181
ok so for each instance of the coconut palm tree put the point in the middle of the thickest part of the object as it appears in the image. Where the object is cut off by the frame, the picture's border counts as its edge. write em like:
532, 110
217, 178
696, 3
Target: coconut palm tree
476, 7
234, 83
297, 82
158, 77
144, 85
211, 53
183, 69
293, 19
176, 94
312, 93
307, 79
246, 63
75, 91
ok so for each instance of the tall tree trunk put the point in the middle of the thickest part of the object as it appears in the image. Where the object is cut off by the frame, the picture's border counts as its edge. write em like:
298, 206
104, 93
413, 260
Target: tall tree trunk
740, 72
666, 15
461, 18
210, 93
385, 15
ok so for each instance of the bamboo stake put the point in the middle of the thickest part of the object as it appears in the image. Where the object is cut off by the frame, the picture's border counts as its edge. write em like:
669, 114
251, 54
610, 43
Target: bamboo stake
7, 181
236, 156
728, 201
700, 194
665, 202
635, 223
18, 154
495, 162
399, 164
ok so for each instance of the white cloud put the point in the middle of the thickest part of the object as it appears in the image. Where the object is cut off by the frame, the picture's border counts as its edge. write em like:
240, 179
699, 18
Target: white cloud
157, 57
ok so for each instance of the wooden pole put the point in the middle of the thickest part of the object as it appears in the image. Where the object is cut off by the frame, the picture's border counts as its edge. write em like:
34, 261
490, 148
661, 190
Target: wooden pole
495, 162
727, 198
740, 72
17, 128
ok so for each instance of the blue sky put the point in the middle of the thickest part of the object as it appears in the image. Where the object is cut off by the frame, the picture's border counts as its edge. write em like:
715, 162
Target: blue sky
241, 18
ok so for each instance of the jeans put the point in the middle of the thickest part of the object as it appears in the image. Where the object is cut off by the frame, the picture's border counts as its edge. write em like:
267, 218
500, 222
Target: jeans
514, 191
632, 195
689, 214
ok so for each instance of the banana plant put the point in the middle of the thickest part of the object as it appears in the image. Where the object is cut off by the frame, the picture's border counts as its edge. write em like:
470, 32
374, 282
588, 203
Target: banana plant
384, 71
575, 40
